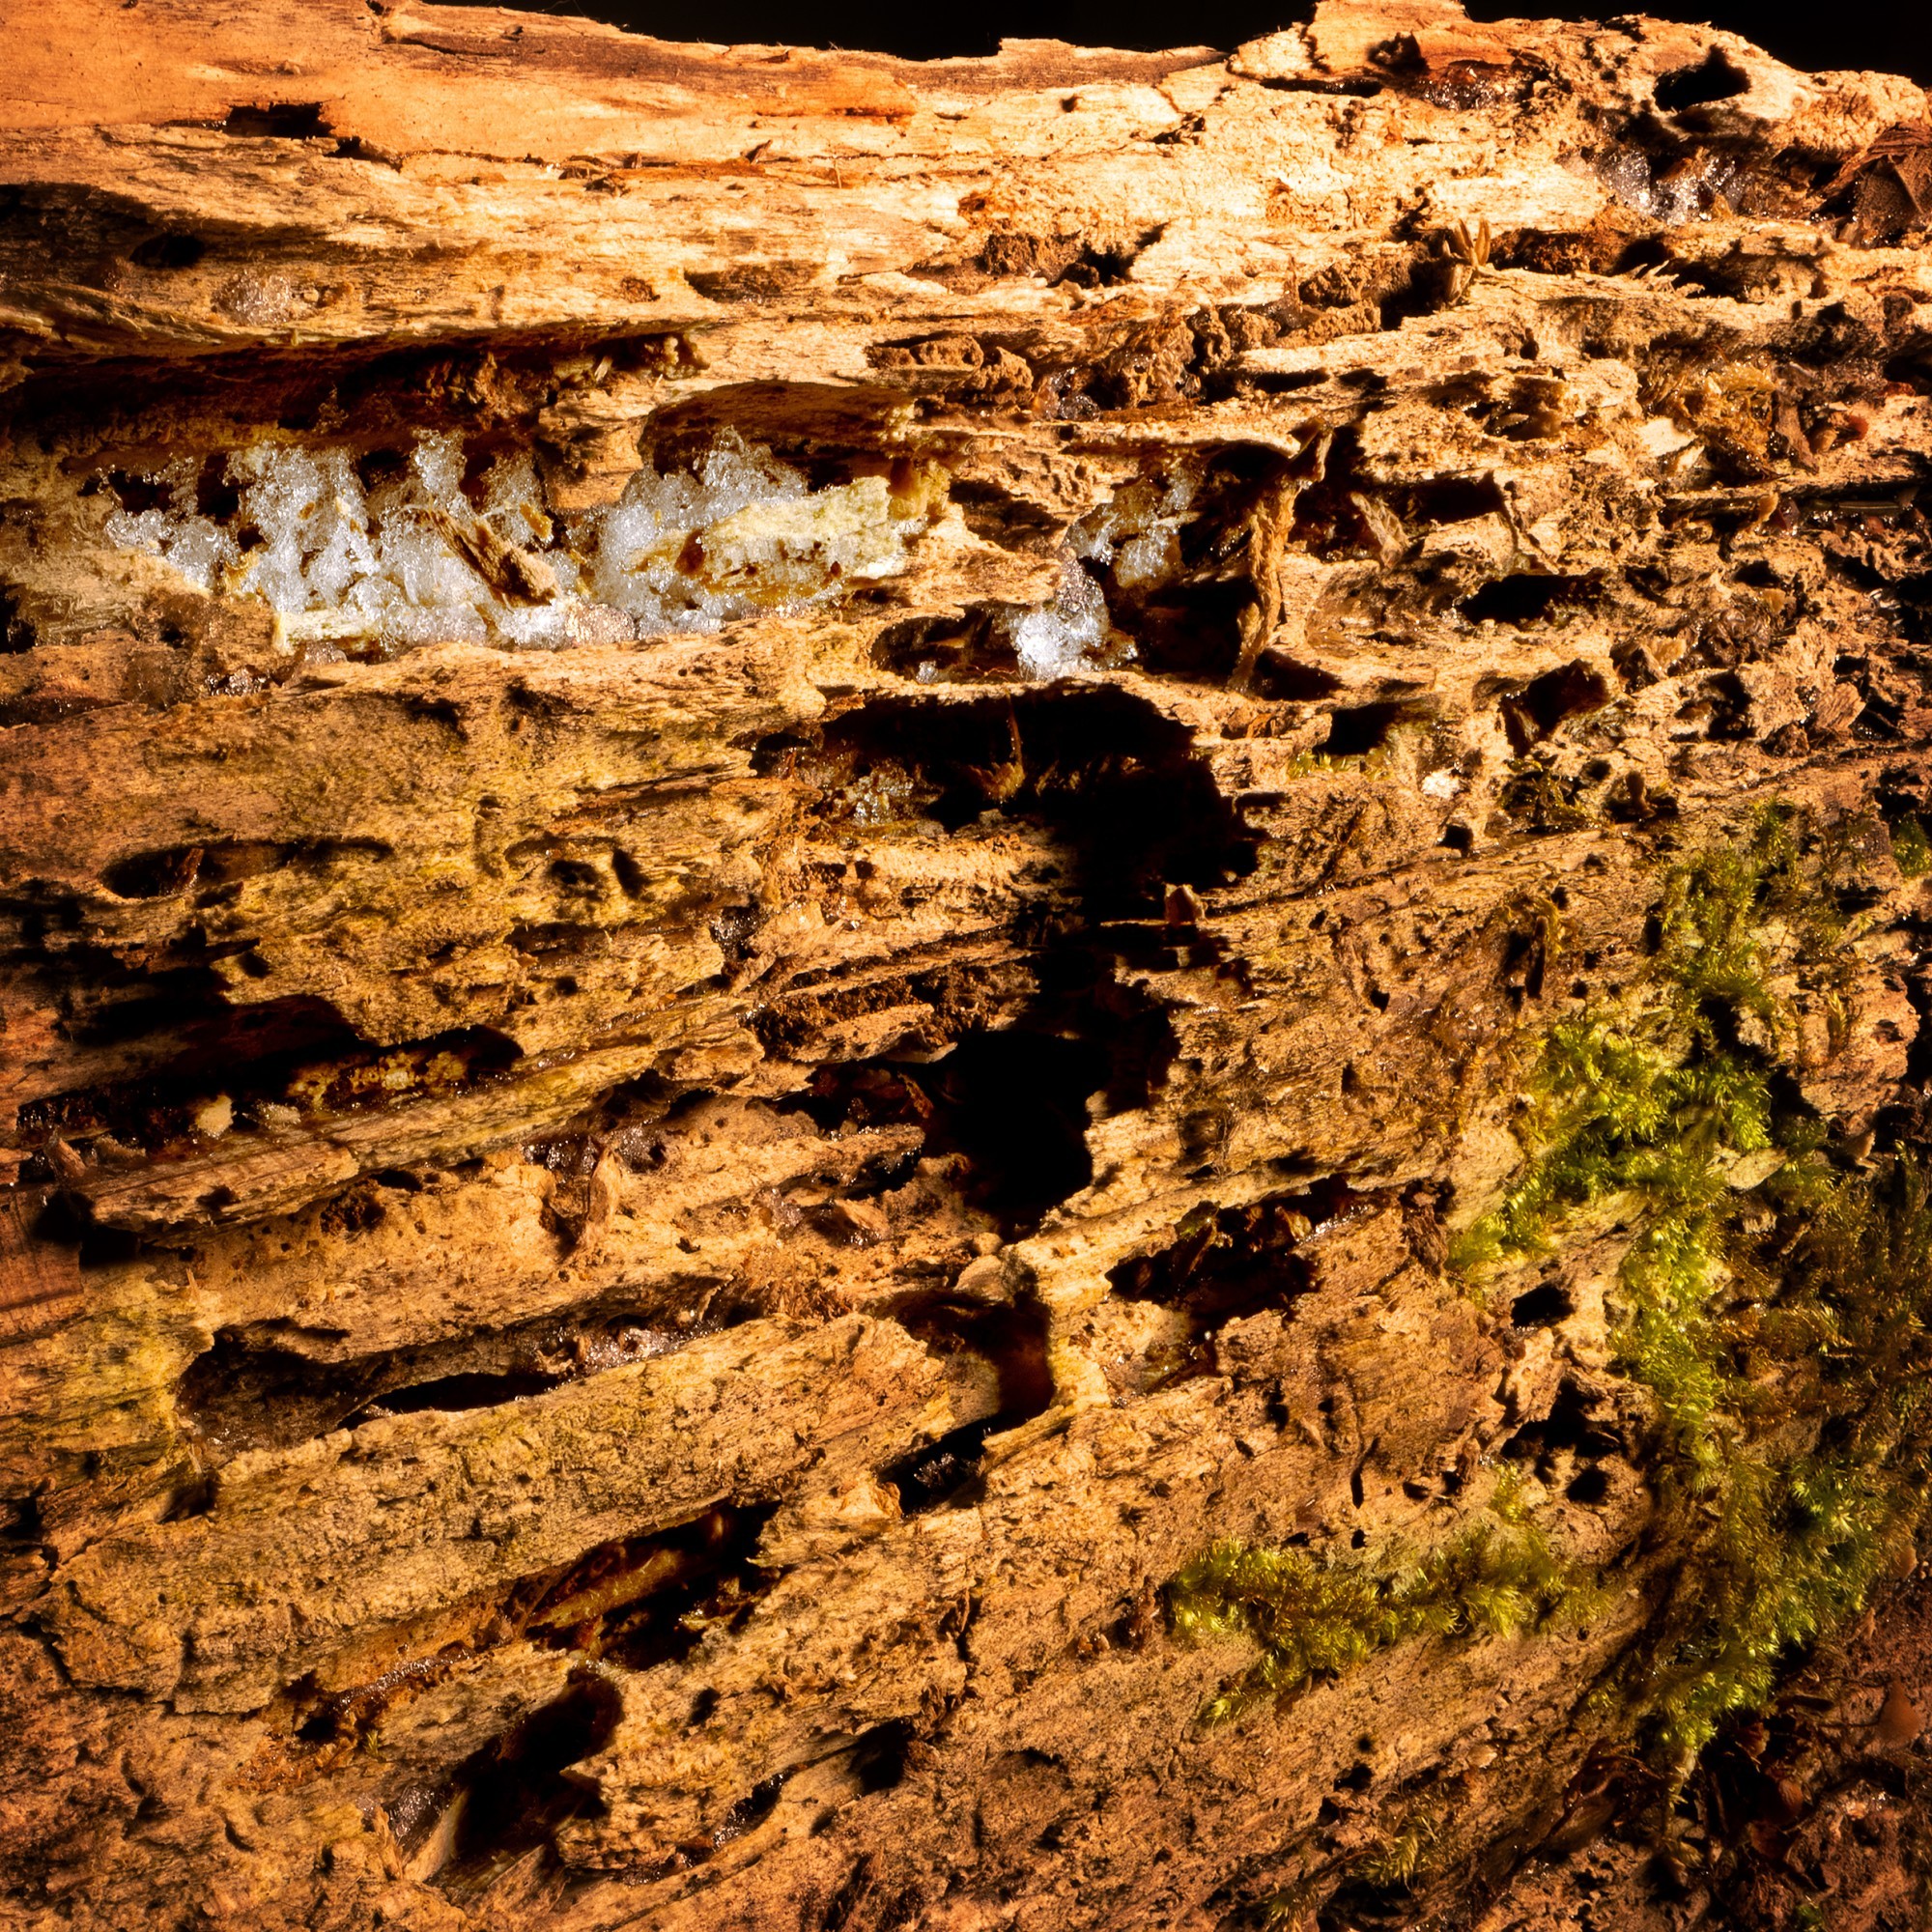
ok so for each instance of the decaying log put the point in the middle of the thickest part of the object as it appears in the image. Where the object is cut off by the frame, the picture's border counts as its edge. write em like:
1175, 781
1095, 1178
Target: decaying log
814, 865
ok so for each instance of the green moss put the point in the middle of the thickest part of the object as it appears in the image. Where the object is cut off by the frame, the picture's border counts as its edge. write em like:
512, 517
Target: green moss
1535, 796
1613, 1111
1775, 1302
1293, 1908
1773, 1308
1313, 1616
1814, 1475
1371, 1879
1394, 1864
1375, 763
1910, 846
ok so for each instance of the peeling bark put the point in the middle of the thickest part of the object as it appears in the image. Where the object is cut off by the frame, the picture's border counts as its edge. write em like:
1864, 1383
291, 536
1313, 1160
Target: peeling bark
787, 843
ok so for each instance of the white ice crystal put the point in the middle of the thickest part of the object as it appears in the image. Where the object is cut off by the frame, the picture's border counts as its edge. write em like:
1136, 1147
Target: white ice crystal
193, 544
1137, 533
1138, 529
681, 549
1060, 636
689, 550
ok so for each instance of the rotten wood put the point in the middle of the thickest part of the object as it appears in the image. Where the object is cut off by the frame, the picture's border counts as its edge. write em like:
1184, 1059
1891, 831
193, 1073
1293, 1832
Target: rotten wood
779, 832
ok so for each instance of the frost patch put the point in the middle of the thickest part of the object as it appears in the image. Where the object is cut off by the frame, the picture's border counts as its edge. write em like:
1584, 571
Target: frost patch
1675, 193
1137, 531
422, 551
1134, 540
1062, 636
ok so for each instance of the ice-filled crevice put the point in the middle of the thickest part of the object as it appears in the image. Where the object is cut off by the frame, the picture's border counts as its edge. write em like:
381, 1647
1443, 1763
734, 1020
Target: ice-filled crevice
1067, 633
392, 549
1127, 546
1136, 533
1132, 540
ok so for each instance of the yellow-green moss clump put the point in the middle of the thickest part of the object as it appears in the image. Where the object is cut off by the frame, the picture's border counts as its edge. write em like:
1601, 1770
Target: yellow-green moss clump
1775, 1300
1911, 847
1314, 1617
1775, 1303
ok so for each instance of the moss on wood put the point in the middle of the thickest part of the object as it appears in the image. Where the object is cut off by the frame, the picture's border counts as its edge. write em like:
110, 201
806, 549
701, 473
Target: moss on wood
1315, 1616
1773, 1300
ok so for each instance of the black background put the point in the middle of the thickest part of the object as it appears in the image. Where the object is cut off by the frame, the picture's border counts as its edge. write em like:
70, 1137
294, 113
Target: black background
1891, 34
